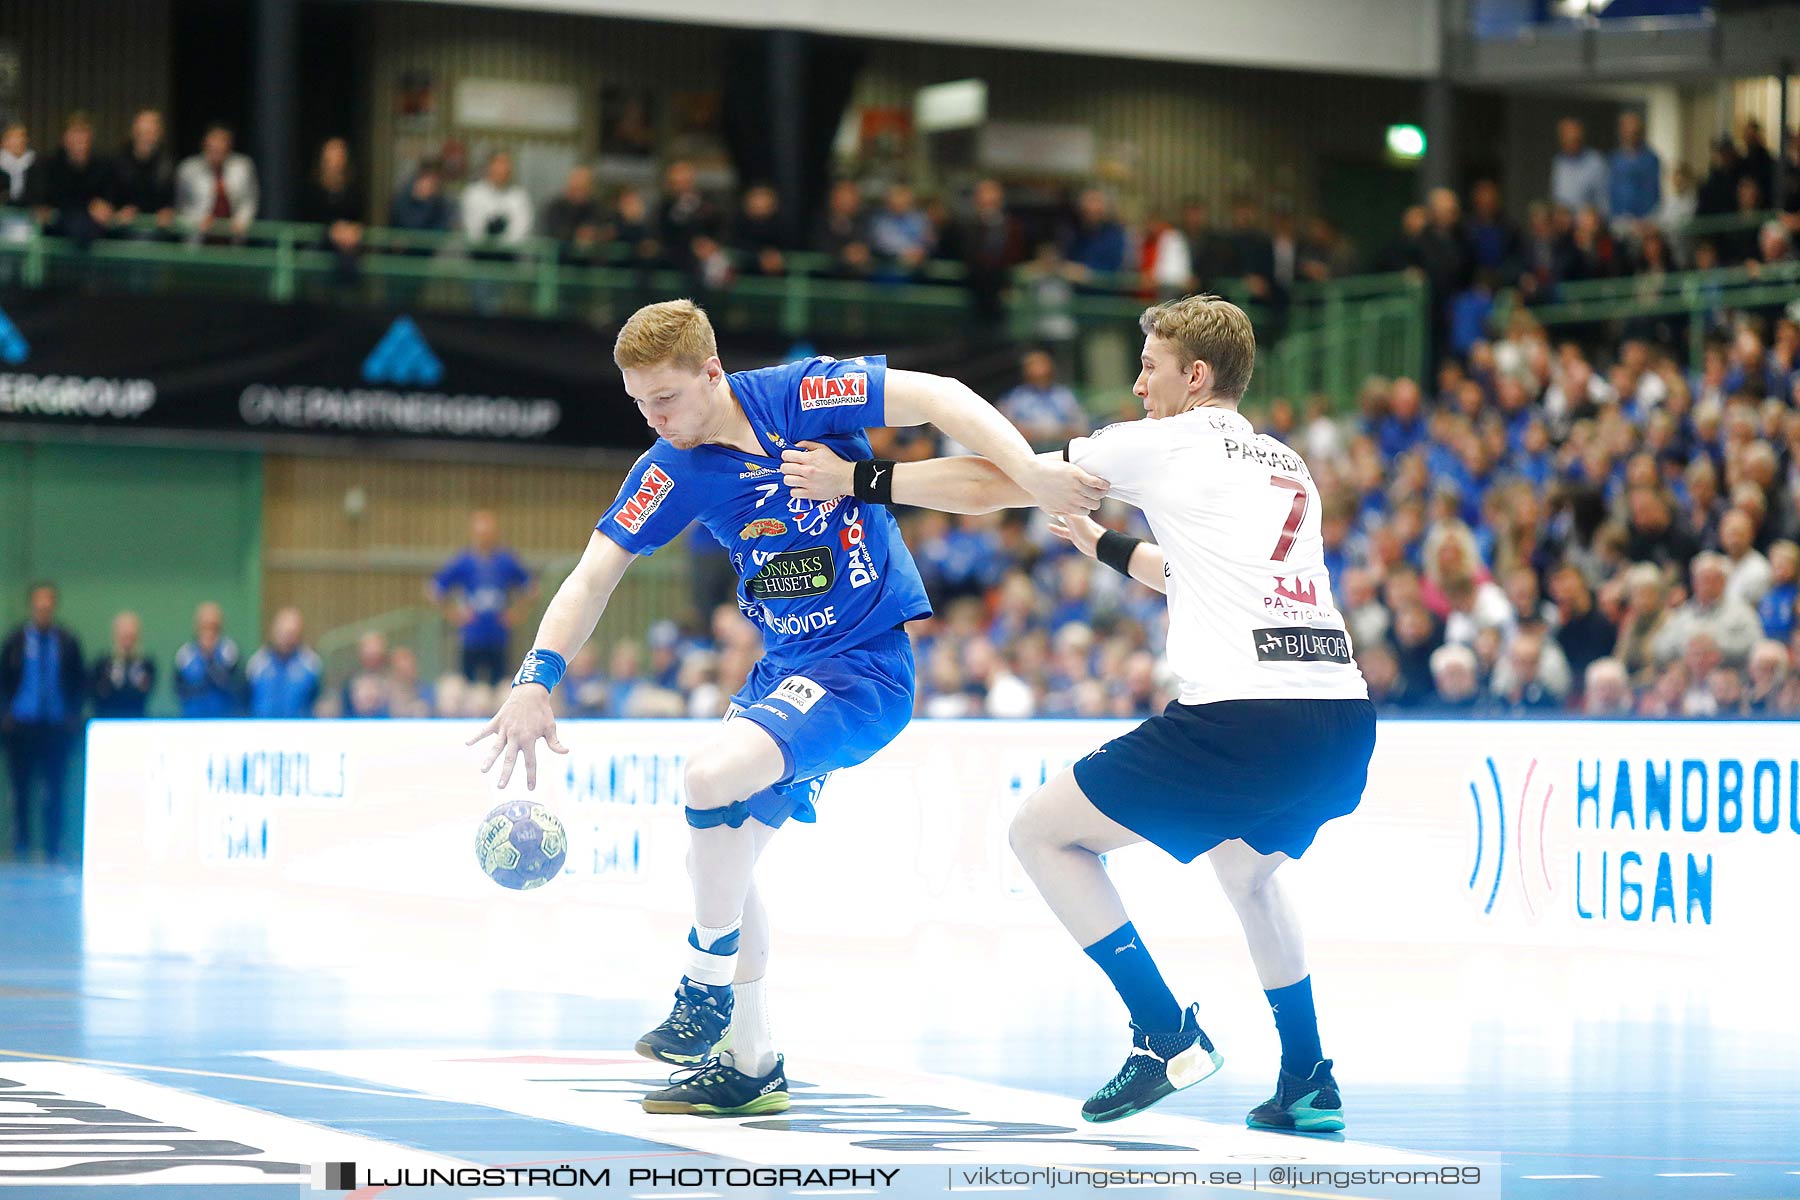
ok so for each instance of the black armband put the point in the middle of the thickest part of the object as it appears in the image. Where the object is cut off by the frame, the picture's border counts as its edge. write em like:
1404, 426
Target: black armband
1115, 550
872, 480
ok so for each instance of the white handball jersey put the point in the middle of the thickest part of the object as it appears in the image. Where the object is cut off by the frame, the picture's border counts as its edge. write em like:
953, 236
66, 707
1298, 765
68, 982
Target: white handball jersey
1237, 516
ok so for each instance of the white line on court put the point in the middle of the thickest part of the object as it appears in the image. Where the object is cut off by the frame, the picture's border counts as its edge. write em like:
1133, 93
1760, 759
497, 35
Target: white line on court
1559, 1177
1694, 1175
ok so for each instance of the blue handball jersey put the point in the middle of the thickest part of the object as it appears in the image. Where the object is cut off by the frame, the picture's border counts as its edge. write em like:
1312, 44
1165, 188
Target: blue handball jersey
815, 577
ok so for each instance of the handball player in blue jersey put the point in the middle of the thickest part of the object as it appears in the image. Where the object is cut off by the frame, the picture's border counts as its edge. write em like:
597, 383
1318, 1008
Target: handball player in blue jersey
830, 584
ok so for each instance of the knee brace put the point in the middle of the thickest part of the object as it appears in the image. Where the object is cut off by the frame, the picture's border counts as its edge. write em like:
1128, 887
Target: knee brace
732, 815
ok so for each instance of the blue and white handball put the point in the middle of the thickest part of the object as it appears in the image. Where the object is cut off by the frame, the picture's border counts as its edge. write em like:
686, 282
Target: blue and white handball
521, 845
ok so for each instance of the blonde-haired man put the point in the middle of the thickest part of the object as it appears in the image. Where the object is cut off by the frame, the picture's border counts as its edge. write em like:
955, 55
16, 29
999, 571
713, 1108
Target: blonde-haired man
1272, 733
830, 584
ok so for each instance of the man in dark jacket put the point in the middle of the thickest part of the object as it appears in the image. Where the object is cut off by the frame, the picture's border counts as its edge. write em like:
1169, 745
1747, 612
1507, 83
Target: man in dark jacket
77, 184
41, 689
143, 177
123, 680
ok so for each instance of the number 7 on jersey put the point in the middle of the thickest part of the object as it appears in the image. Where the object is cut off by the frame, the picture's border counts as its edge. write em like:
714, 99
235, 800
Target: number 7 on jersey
1296, 514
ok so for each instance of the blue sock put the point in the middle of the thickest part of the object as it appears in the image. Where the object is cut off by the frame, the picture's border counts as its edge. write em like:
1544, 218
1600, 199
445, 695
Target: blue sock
1298, 1026
1133, 973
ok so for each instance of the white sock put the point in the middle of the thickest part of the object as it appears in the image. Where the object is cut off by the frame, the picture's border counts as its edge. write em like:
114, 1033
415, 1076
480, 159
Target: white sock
752, 1041
705, 964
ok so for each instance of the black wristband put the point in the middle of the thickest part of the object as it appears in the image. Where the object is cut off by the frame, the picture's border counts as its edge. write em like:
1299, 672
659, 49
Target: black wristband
1115, 550
872, 480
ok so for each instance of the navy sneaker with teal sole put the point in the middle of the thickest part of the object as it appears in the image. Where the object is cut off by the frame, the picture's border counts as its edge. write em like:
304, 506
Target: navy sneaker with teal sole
1302, 1104
1160, 1064
695, 1027
716, 1088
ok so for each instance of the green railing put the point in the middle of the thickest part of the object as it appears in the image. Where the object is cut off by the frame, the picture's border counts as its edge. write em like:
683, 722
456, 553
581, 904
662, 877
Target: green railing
1340, 333
1699, 296
1334, 337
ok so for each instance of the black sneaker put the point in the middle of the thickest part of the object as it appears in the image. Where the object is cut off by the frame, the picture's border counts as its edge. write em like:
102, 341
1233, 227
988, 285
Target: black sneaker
695, 1026
1160, 1064
716, 1088
1309, 1104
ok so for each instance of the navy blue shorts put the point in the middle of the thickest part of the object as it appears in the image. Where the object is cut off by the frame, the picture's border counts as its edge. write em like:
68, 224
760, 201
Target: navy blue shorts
1268, 771
835, 712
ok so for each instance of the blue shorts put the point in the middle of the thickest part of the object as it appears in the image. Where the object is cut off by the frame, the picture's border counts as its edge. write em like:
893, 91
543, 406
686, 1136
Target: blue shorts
835, 712
1270, 772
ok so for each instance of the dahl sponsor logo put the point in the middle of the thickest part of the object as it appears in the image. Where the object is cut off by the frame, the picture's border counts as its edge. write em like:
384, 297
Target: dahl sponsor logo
652, 490
834, 391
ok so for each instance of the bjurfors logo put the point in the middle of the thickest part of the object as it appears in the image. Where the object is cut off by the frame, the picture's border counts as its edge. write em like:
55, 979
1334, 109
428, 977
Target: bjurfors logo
834, 391
654, 486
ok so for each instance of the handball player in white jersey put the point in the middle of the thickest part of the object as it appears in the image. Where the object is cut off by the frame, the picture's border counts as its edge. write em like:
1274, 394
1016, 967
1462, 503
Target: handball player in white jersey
1273, 730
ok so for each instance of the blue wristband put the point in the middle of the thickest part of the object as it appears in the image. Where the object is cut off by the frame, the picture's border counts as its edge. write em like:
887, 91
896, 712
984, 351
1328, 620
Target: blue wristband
542, 666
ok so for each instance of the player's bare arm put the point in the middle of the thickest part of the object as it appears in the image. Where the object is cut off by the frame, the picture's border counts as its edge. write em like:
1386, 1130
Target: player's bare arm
1084, 534
965, 484
915, 398
526, 716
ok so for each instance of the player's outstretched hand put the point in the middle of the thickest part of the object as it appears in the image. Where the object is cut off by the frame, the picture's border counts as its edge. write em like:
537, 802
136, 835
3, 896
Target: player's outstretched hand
1083, 533
522, 720
814, 473
1063, 487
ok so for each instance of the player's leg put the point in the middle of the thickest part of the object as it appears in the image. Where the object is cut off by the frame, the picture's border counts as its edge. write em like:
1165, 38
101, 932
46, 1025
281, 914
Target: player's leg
740, 761
752, 1037
1059, 836
1306, 1096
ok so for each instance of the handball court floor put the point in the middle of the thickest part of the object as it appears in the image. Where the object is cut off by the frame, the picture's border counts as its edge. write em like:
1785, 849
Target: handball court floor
469, 1071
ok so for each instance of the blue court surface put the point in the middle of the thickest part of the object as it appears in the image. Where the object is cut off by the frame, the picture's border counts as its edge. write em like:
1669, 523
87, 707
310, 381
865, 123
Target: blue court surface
148, 1075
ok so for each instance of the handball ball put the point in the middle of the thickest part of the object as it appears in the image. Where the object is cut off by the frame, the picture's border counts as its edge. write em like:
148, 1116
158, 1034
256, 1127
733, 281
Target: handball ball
521, 845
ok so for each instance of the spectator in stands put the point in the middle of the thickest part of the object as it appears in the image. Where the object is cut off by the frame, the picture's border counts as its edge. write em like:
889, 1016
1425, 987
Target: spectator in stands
1252, 253
843, 232
367, 692
1096, 243
1532, 676
1607, 690
1578, 175
421, 205
1757, 163
1776, 609
1770, 666
573, 216
1211, 257
216, 190
899, 235
406, 695
122, 681
209, 671
496, 210
1656, 534
1492, 238
1046, 412
1582, 630
42, 688
691, 226
143, 179
331, 198
629, 225
284, 675
1680, 204
1729, 622
1718, 191
1634, 176
991, 245
484, 590
21, 171
1456, 683
759, 239
77, 184
1749, 575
